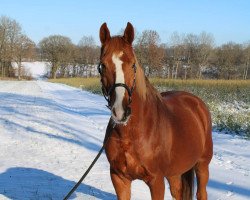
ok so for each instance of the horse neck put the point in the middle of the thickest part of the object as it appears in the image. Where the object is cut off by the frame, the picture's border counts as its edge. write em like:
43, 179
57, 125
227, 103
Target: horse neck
145, 99
144, 113
150, 99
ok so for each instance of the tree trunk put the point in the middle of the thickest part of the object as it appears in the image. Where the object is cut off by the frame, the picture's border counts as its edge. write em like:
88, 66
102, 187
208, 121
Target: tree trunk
176, 70
19, 70
3, 72
185, 73
1, 68
168, 72
200, 66
74, 71
246, 72
54, 70
173, 72
54, 74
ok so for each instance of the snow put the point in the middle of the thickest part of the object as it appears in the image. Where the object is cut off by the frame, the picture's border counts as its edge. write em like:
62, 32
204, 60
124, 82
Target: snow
35, 69
50, 133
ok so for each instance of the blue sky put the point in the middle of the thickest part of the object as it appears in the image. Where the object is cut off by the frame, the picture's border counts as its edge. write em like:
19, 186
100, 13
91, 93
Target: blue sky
227, 20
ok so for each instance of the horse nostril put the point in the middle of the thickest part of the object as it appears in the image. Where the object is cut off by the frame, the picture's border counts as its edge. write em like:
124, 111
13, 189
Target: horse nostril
121, 115
114, 113
128, 111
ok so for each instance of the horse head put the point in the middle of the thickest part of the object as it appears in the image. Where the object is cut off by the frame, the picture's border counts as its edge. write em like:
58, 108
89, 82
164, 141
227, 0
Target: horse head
118, 71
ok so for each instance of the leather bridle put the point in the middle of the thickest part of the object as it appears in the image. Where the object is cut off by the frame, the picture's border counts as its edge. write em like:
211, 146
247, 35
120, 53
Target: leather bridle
107, 94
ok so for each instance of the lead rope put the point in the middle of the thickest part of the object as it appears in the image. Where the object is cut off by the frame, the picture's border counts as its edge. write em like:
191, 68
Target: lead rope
130, 91
89, 168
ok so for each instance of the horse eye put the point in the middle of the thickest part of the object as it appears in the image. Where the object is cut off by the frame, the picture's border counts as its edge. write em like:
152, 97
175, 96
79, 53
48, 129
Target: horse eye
101, 68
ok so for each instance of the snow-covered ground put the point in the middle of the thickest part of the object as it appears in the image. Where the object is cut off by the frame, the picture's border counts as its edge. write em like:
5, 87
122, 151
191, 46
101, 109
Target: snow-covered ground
50, 133
38, 70
35, 69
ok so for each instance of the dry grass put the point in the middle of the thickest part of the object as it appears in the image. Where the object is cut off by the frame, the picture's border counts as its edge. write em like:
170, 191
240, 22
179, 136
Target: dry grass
228, 100
8, 79
209, 90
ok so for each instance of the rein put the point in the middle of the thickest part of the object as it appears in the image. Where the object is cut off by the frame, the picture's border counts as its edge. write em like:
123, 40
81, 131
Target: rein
91, 165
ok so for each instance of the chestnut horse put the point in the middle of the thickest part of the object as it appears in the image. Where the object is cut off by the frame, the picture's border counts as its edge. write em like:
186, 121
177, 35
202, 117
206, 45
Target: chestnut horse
151, 135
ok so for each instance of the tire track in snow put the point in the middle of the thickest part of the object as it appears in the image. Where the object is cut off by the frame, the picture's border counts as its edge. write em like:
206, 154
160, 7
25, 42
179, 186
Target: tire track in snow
91, 100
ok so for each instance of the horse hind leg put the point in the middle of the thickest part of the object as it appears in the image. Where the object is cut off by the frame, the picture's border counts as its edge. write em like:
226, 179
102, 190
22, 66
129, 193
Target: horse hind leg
202, 175
202, 168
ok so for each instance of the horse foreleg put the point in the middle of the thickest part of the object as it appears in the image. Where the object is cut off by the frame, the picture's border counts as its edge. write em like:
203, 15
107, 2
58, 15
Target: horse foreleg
157, 188
122, 186
175, 187
202, 174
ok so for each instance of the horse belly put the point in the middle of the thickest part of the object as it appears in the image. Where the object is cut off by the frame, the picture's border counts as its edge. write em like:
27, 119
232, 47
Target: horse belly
187, 148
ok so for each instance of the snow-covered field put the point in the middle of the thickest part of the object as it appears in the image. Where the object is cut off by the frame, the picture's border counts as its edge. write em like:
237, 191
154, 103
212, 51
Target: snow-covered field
50, 133
35, 69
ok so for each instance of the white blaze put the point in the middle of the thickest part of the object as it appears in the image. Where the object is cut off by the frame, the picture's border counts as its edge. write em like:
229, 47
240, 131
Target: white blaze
120, 91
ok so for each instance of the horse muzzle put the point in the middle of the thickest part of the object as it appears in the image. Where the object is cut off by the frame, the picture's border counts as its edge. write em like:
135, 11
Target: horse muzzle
121, 117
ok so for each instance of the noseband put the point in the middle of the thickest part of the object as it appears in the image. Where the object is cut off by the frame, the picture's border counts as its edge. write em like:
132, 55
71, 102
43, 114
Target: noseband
107, 95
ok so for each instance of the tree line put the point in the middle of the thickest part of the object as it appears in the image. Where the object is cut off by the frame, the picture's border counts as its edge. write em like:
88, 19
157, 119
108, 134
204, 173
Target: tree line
184, 56
15, 46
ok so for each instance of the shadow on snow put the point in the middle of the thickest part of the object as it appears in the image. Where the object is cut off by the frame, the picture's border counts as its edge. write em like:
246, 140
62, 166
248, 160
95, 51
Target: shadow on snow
29, 183
23, 102
232, 188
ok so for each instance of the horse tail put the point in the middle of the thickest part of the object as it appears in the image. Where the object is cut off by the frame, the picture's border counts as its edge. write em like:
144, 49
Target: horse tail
188, 184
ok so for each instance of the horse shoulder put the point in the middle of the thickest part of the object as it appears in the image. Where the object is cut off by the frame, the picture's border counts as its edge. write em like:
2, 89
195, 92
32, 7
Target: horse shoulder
124, 156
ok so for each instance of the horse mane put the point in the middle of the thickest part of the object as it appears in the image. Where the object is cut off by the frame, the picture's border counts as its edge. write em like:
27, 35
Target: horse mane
140, 81
143, 86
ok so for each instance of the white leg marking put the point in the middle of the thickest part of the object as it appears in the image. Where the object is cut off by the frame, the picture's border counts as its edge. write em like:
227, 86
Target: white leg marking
120, 91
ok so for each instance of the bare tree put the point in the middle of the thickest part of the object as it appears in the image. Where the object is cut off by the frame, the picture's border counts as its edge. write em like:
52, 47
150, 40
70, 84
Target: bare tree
189, 53
88, 51
89, 54
149, 52
177, 53
191, 43
76, 60
206, 44
10, 32
230, 57
57, 50
24, 49
246, 60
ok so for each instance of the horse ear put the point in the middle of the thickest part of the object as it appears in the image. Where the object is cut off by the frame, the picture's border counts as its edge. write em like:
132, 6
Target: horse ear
129, 33
104, 34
